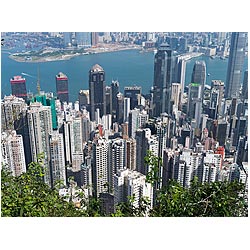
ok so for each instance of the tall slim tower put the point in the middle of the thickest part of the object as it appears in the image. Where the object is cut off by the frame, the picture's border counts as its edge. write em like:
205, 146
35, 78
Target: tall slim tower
235, 64
100, 166
62, 87
97, 91
199, 74
57, 160
162, 80
40, 126
18, 87
13, 152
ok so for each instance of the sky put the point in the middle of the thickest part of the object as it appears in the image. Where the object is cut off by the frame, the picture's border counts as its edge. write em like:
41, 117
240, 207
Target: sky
140, 233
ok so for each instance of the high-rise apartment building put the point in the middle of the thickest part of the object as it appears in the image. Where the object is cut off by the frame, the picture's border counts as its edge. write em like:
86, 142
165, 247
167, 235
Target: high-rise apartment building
12, 151
163, 64
18, 87
129, 183
13, 117
62, 87
235, 64
97, 91
40, 127
100, 166
57, 160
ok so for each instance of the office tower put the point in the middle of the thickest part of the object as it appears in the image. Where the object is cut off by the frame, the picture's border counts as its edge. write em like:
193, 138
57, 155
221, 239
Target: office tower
13, 152
18, 87
213, 106
97, 91
199, 75
133, 122
134, 93
126, 109
217, 86
40, 127
131, 153
176, 94
180, 73
62, 90
100, 166
119, 108
57, 160
194, 109
245, 86
83, 39
108, 99
83, 98
163, 64
67, 38
235, 64
129, 183
115, 91
94, 38
182, 45
222, 132
85, 128
242, 150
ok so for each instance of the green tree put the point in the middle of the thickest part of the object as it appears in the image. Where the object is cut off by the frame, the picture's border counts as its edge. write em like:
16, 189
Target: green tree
28, 195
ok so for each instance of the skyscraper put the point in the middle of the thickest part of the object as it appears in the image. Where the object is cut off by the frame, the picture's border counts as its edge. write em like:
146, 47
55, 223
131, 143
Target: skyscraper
134, 94
40, 126
18, 87
83, 39
100, 166
97, 91
199, 74
57, 160
162, 80
245, 86
235, 64
62, 87
115, 91
13, 152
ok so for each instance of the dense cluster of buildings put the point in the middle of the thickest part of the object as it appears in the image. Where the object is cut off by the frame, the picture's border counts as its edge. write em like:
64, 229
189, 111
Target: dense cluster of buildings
102, 138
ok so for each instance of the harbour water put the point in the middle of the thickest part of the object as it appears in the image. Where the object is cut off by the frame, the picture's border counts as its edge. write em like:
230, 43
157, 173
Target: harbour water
129, 67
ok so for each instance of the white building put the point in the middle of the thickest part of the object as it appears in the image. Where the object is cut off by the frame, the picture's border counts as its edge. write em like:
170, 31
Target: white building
57, 159
129, 183
11, 108
13, 152
100, 165
40, 126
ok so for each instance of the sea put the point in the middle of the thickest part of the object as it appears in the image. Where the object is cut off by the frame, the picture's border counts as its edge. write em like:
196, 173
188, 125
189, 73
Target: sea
129, 67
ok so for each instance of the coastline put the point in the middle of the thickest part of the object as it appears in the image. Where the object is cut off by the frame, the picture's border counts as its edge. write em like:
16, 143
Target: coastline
29, 58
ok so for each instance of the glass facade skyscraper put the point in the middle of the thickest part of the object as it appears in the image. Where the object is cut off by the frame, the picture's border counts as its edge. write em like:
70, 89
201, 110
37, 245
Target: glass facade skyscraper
62, 87
235, 64
97, 91
162, 80
18, 87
